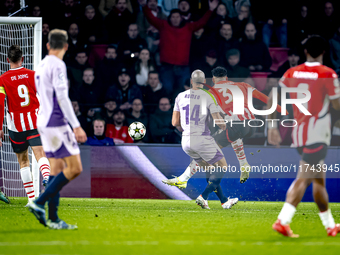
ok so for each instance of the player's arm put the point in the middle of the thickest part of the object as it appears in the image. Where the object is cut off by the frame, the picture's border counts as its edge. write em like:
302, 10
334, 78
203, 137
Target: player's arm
176, 115
333, 91
215, 113
176, 121
2, 112
61, 88
336, 104
218, 120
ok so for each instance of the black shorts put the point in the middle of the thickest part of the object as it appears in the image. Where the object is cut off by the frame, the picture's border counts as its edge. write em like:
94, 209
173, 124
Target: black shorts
312, 154
234, 132
21, 140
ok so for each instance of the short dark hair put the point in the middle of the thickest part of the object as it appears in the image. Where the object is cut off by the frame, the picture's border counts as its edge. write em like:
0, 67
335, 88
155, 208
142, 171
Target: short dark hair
153, 72
57, 39
233, 52
14, 53
219, 72
315, 45
112, 46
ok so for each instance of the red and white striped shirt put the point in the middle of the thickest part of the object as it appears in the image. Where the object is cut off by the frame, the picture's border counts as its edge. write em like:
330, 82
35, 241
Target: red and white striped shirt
22, 102
226, 98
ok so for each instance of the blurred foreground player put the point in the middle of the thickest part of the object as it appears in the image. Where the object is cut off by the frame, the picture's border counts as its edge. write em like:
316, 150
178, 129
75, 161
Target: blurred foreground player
58, 139
191, 111
17, 84
311, 136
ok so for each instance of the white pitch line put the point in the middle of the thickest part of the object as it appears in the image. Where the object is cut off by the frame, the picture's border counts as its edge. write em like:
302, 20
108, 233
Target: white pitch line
139, 243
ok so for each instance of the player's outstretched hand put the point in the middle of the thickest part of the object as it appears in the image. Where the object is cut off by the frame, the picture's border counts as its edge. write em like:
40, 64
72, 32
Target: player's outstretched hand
213, 4
274, 137
2, 136
80, 135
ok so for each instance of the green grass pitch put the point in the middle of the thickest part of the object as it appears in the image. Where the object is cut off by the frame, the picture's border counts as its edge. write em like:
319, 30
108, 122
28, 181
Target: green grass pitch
123, 226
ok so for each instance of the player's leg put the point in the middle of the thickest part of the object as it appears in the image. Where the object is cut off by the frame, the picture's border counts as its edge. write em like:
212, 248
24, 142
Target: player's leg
26, 175
311, 156
57, 166
4, 198
60, 144
72, 170
43, 163
233, 135
34, 141
20, 145
223, 141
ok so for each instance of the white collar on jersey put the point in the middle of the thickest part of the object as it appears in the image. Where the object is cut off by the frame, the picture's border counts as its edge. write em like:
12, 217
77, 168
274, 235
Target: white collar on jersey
312, 63
17, 68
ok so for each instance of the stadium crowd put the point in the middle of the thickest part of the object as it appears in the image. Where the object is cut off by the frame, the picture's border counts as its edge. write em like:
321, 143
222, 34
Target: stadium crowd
127, 62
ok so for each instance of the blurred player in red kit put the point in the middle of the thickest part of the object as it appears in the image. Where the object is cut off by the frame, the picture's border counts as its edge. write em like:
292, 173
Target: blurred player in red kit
311, 136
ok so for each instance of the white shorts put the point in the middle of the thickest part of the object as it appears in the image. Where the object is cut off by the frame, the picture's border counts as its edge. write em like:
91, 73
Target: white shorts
58, 142
202, 148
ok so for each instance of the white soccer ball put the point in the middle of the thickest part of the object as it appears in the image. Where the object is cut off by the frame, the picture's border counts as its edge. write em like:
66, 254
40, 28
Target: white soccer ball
137, 130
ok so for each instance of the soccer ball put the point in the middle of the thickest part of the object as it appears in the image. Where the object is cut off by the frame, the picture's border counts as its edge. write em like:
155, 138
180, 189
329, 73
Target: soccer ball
137, 130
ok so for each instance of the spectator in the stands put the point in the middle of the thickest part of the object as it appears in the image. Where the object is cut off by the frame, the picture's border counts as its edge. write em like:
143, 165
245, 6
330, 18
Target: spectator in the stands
76, 69
161, 129
118, 131
200, 44
209, 62
230, 8
90, 94
219, 17
300, 26
153, 92
335, 50
8, 7
136, 113
236, 72
243, 18
44, 39
92, 26
254, 53
75, 44
81, 118
130, 46
98, 138
105, 6
107, 69
293, 60
68, 13
36, 11
117, 21
125, 92
226, 41
143, 66
143, 25
327, 23
274, 17
186, 13
175, 40
107, 112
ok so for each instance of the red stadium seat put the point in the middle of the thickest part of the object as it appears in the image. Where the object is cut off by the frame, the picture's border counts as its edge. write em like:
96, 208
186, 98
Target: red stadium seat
97, 54
279, 56
260, 79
